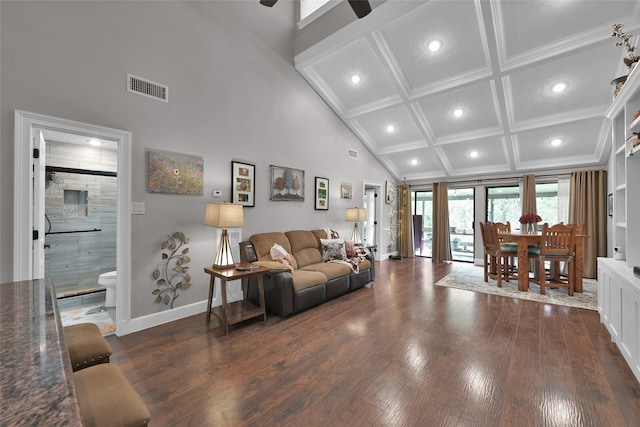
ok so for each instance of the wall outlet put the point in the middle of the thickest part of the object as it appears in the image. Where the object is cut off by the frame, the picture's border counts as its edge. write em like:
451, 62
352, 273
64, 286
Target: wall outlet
137, 208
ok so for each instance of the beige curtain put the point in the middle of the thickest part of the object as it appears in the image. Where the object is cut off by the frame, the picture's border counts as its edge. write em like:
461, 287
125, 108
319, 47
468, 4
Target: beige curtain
587, 204
529, 195
441, 243
406, 248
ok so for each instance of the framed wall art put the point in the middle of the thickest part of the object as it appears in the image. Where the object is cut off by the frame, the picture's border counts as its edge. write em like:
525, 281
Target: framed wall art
243, 183
388, 191
346, 191
175, 173
287, 184
322, 194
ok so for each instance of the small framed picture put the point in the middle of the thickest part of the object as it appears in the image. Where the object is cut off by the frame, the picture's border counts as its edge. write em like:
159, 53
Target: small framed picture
322, 194
388, 191
287, 184
243, 184
346, 191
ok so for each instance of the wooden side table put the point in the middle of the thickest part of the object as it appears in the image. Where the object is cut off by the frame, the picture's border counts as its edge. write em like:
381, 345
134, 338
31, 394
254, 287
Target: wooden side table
238, 311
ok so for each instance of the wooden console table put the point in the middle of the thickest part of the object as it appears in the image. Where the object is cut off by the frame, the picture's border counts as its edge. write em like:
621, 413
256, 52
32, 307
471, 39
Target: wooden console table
238, 311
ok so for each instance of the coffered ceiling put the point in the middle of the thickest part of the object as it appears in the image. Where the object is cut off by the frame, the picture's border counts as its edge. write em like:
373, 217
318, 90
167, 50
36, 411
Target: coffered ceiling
498, 63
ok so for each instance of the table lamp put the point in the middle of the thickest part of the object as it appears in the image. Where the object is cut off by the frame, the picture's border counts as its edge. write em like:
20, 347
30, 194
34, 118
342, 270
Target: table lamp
356, 215
224, 215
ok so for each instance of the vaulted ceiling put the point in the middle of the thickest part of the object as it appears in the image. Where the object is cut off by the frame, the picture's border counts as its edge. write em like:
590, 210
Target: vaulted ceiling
498, 63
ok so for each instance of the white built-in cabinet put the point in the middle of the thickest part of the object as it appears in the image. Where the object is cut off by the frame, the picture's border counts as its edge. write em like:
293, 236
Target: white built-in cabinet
618, 288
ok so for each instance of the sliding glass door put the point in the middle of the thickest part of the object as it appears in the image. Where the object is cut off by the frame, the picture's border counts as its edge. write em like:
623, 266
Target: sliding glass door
422, 207
461, 219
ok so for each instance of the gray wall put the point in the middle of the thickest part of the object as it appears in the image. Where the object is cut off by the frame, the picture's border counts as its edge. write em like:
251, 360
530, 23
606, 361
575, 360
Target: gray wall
234, 95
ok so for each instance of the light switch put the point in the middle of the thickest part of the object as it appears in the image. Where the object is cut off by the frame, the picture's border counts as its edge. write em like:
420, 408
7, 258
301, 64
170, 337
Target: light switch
216, 193
137, 208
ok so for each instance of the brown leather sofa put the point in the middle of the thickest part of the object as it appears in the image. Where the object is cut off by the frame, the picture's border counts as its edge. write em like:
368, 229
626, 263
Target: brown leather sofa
310, 281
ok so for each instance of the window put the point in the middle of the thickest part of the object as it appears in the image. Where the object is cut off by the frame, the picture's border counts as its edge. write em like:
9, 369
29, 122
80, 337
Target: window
307, 7
312, 9
504, 204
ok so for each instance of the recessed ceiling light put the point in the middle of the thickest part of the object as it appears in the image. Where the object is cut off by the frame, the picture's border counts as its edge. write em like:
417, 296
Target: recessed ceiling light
355, 79
391, 128
559, 87
414, 162
555, 142
95, 142
434, 45
473, 154
458, 112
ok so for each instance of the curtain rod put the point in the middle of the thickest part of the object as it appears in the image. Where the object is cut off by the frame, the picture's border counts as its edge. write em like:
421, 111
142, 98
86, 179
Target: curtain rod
486, 181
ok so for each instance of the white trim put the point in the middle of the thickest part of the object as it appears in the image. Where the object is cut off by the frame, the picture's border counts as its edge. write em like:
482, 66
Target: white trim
144, 322
25, 123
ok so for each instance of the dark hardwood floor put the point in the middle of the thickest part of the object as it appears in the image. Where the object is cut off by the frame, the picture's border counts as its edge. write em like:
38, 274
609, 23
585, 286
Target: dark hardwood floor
400, 352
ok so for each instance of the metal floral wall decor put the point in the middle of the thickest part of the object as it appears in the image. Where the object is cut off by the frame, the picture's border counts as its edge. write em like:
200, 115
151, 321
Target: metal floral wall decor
172, 273
175, 173
287, 184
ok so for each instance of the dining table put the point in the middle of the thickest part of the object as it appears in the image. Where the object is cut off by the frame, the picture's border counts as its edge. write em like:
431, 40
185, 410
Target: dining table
524, 239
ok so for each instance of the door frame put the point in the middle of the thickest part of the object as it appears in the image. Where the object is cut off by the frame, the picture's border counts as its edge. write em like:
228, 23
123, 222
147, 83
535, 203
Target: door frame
27, 126
378, 187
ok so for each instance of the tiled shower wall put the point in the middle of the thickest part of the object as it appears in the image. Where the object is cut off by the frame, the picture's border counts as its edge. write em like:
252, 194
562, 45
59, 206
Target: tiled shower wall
75, 260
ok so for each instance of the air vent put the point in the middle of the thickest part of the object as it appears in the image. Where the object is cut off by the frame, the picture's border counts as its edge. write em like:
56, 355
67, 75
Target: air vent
353, 154
147, 88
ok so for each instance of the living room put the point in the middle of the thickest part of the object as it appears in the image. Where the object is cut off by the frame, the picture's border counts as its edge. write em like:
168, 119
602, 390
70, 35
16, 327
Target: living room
234, 95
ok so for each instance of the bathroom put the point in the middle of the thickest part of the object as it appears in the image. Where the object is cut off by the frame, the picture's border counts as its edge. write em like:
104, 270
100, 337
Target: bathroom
80, 227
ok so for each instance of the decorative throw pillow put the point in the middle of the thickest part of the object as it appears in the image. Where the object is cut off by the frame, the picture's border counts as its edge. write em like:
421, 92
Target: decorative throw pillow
350, 248
280, 254
333, 249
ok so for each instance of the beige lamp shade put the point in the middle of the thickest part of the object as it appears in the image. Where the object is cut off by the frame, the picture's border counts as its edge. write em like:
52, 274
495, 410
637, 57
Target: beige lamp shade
224, 215
356, 214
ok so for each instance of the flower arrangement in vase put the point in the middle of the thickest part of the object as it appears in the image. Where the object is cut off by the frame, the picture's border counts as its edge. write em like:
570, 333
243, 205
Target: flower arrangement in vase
529, 221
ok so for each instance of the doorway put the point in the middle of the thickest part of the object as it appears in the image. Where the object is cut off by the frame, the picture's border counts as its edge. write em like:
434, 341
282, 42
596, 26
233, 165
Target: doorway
373, 204
58, 200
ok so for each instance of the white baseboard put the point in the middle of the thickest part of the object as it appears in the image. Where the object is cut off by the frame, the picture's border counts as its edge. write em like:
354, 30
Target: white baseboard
130, 326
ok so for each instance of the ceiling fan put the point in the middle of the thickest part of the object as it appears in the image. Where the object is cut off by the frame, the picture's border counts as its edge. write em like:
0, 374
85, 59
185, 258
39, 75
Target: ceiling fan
361, 7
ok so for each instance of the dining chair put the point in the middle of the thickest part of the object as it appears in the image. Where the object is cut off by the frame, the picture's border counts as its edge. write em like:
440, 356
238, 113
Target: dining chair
503, 227
496, 255
557, 244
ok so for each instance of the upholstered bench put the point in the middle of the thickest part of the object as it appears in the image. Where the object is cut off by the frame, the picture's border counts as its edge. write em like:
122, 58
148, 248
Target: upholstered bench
86, 345
106, 399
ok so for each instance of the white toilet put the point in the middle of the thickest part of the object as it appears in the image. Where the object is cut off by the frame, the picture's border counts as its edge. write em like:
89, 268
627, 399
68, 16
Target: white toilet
108, 280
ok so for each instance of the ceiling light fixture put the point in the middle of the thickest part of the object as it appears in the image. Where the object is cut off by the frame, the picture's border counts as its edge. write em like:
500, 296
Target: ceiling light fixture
414, 162
391, 128
559, 87
434, 45
555, 142
355, 79
458, 112
473, 154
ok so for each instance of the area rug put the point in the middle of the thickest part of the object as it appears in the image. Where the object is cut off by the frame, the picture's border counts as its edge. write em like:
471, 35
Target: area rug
95, 314
470, 278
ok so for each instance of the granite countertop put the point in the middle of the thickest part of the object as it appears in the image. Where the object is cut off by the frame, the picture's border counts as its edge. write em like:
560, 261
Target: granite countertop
36, 379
